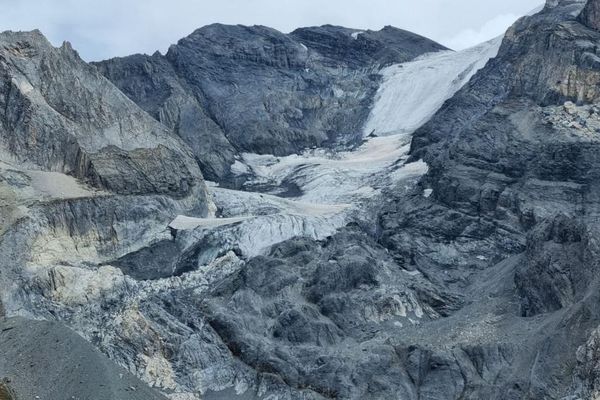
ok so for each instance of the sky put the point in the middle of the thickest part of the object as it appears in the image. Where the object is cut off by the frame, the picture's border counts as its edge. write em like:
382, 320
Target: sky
111, 28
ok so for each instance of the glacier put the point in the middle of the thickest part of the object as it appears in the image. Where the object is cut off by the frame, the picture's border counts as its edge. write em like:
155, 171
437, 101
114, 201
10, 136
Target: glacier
332, 187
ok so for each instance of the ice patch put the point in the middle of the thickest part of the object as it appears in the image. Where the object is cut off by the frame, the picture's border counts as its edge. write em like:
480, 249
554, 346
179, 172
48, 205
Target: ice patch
239, 168
331, 188
183, 223
333, 178
355, 35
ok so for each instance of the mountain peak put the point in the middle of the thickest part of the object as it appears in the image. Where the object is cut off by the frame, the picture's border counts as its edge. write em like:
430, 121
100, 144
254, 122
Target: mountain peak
24, 43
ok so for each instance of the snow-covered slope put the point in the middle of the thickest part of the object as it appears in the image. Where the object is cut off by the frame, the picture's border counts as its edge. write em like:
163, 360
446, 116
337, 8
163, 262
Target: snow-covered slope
409, 95
412, 92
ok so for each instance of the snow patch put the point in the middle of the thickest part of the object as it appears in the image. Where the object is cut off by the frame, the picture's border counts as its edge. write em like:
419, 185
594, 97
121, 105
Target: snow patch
24, 86
355, 35
333, 178
57, 185
331, 188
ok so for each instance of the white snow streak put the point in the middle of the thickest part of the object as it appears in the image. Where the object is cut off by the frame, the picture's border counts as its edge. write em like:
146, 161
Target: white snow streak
182, 222
413, 92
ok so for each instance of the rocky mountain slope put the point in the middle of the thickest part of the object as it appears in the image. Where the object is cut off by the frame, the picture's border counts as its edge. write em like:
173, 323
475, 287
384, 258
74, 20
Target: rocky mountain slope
438, 243
231, 89
61, 115
84, 174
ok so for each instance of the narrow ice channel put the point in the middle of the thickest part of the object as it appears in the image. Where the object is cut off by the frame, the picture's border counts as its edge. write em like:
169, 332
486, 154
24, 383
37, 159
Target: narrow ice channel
412, 92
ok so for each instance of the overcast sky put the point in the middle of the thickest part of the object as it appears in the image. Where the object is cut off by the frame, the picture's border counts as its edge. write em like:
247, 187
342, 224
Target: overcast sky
101, 29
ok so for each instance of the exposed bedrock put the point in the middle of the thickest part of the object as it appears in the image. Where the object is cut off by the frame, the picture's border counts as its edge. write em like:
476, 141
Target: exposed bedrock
560, 266
590, 16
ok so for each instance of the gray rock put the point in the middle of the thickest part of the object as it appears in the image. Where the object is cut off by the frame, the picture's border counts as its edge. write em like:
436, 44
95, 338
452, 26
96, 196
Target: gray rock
590, 16
558, 268
60, 114
515, 179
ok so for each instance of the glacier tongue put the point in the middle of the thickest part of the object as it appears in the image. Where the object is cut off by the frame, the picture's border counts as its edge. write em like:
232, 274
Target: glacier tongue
412, 92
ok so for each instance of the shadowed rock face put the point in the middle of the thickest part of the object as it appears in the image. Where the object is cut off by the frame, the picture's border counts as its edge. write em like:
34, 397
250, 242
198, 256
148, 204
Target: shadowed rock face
556, 270
514, 171
230, 89
590, 15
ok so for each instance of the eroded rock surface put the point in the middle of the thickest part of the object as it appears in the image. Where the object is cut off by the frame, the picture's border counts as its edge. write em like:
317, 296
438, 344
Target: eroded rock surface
61, 115
590, 15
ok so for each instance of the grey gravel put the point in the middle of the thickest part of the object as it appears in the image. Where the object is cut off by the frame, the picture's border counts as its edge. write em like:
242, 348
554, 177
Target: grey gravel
45, 360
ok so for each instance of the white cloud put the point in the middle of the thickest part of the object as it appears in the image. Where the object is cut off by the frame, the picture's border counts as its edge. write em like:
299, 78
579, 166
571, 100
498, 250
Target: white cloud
107, 28
491, 29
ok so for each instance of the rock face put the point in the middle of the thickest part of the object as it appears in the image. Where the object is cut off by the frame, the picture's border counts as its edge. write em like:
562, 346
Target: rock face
331, 307
513, 171
590, 15
85, 174
230, 89
61, 115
